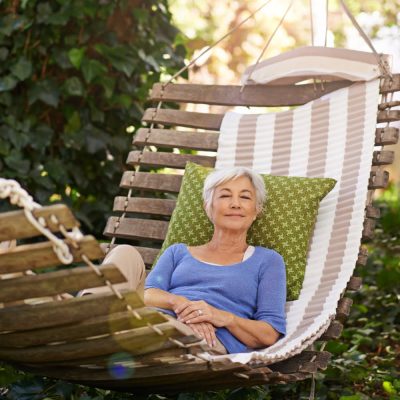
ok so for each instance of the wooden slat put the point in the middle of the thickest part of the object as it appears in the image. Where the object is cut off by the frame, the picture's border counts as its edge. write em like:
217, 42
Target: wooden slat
333, 332
55, 313
183, 373
362, 256
384, 157
152, 182
144, 205
372, 212
354, 283
301, 362
211, 122
14, 225
388, 135
390, 85
148, 254
168, 354
41, 255
368, 229
180, 139
252, 95
209, 140
90, 327
343, 308
378, 179
171, 160
388, 116
52, 283
137, 341
133, 228
388, 104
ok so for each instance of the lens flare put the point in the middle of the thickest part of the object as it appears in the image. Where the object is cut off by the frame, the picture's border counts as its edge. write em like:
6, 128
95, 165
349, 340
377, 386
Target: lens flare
120, 366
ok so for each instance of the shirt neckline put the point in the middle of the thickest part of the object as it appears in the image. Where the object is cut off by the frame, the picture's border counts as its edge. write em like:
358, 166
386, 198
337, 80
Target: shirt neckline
219, 265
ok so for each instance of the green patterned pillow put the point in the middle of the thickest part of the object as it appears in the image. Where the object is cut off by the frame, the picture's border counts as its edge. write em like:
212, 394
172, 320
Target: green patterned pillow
285, 224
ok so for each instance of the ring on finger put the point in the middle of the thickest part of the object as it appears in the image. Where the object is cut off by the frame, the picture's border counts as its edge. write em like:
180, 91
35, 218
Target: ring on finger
200, 312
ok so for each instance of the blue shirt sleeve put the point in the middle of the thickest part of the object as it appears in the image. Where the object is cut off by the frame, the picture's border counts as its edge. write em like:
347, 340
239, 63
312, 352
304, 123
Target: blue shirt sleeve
271, 294
160, 276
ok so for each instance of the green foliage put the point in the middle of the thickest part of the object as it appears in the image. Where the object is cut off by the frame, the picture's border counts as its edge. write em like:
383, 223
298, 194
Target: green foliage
74, 74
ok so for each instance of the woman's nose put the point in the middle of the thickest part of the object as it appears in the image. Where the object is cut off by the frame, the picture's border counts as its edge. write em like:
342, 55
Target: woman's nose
235, 202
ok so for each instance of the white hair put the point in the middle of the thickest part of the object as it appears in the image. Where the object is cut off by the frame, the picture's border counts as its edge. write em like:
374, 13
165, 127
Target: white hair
221, 176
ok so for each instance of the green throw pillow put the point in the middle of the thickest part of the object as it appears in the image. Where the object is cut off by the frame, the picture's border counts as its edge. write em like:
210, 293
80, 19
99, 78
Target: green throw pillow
285, 224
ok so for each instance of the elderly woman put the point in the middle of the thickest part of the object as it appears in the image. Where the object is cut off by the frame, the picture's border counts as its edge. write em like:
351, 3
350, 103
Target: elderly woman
230, 293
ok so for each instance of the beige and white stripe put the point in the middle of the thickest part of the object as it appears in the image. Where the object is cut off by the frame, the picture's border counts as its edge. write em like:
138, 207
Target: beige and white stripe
322, 62
329, 137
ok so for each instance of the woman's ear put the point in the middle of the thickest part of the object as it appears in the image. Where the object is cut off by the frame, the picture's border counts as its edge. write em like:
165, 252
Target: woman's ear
206, 211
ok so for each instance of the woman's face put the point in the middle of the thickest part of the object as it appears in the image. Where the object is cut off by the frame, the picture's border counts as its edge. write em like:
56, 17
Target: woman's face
234, 205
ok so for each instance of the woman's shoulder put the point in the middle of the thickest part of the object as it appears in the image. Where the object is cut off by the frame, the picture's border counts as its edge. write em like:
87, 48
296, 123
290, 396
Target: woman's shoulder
270, 254
177, 248
267, 250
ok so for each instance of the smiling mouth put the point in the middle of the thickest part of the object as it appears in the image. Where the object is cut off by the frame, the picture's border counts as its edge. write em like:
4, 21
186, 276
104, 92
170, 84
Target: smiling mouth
234, 215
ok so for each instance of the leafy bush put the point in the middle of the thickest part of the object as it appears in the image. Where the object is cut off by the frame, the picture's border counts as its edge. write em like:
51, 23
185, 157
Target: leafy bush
74, 74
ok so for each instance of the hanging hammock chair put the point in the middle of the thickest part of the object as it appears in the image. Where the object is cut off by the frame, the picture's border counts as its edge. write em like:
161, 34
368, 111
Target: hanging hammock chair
112, 340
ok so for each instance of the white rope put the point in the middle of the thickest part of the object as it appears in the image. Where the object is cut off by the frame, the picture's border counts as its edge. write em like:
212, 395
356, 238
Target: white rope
11, 189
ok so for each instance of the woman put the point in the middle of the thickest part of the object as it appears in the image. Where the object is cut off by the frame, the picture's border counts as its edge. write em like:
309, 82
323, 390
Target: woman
231, 294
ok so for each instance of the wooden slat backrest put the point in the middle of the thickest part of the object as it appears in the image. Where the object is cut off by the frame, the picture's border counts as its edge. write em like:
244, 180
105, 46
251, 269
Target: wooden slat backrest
170, 131
57, 313
14, 224
92, 326
57, 282
41, 255
136, 341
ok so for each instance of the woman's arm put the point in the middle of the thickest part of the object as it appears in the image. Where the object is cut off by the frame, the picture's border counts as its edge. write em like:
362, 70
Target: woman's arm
160, 298
154, 297
250, 332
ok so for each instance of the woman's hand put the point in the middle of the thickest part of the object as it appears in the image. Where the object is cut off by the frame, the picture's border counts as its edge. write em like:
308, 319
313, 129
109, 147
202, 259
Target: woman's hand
206, 331
193, 312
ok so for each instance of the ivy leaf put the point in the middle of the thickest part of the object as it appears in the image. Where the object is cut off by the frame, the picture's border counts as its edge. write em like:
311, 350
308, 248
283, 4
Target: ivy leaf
42, 137
149, 60
73, 87
123, 100
74, 123
56, 170
121, 58
46, 91
108, 84
3, 53
15, 161
75, 56
44, 12
6, 99
11, 23
92, 68
61, 58
4, 150
22, 69
7, 83
96, 139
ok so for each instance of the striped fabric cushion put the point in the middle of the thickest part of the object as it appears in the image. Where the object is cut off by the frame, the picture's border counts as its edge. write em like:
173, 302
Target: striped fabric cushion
331, 137
314, 62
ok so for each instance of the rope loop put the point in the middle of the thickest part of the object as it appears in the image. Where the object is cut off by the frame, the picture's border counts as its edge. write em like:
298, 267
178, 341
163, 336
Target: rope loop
10, 188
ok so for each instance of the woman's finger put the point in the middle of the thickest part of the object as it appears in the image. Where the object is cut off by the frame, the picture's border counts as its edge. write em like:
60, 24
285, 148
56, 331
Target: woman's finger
187, 306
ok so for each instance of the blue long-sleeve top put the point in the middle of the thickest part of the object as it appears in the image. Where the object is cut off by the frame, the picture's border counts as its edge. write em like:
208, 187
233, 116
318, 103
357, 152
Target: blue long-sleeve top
253, 289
